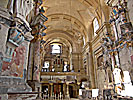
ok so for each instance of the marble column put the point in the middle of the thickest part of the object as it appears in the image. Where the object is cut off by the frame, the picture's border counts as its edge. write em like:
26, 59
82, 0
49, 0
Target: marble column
41, 91
51, 91
36, 59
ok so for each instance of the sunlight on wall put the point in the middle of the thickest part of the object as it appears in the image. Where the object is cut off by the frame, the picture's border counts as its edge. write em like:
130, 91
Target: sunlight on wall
95, 25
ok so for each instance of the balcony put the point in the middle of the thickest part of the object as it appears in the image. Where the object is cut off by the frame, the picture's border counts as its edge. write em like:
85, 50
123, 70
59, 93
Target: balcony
60, 77
59, 73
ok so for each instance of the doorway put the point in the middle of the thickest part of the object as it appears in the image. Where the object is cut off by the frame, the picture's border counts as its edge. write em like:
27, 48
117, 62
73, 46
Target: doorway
58, 88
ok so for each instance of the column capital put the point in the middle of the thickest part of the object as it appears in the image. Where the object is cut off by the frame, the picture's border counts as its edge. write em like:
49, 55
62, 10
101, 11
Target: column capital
51, 83
67, 83
78, 83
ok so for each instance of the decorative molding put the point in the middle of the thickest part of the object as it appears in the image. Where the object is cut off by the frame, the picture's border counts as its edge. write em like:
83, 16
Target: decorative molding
6, 21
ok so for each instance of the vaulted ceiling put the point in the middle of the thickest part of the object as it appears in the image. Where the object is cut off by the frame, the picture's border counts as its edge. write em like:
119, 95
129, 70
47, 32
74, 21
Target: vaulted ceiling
69, 20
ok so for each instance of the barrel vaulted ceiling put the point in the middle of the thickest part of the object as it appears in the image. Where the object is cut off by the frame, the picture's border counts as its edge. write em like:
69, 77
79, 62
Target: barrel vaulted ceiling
69, 20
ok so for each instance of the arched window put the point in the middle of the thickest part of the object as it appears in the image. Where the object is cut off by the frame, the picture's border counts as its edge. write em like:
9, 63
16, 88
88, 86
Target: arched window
65, 67
46, 65
56, 48
84, 40
95, 26
45, 68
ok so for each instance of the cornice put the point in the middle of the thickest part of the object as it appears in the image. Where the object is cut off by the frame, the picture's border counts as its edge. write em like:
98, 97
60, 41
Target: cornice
85, 47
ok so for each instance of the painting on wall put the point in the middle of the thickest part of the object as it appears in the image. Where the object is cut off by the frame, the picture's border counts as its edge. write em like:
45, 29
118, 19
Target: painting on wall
15, 67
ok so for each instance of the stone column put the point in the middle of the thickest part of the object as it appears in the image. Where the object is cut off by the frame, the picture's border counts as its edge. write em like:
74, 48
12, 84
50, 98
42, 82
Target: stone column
67, 90
30, 62
37, 32
91, 68
113, 60
78, 87
41, 94
56, 68
36, 59
51, 91
64, 89
87, 59
70, 62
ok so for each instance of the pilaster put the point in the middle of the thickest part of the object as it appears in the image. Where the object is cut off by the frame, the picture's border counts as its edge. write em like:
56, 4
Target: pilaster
67, 91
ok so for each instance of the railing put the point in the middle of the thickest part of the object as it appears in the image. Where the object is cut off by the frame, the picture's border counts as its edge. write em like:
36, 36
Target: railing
60, 73
53, 97
48, 70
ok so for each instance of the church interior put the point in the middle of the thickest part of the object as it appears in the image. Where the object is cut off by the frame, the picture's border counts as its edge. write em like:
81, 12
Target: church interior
66, 50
